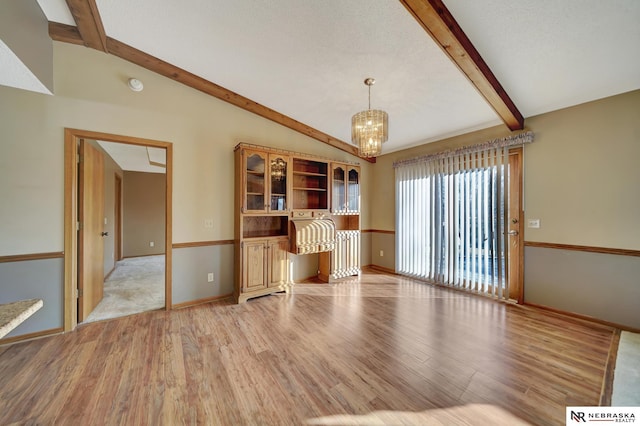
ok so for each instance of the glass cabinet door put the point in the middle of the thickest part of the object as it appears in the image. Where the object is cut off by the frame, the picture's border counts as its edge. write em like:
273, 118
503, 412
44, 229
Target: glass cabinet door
278, 171
255, 189
338, 189
353, 191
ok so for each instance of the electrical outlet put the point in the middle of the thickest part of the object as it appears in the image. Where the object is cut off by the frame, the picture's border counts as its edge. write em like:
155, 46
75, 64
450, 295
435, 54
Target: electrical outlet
210, 277
533, 223
208, 223
381, 253
152, 244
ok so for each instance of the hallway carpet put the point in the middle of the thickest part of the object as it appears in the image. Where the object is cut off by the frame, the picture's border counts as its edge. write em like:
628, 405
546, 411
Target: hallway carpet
136, 285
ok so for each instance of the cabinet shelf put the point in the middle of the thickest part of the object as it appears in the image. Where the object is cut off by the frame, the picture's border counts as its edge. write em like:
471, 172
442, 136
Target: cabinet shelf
310, 184
310, 174
310, 189
265, 226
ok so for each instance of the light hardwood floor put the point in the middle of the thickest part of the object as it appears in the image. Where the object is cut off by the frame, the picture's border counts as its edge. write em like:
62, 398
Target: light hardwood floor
376, 350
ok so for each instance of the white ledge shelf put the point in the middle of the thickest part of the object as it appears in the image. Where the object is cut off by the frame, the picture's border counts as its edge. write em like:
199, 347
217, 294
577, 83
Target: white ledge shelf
15, 313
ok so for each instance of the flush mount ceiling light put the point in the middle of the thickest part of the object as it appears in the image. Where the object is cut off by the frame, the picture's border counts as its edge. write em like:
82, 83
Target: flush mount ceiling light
135, 85
370, 128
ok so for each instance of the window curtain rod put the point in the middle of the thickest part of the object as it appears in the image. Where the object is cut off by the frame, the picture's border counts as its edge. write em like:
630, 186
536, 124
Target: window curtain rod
516, 140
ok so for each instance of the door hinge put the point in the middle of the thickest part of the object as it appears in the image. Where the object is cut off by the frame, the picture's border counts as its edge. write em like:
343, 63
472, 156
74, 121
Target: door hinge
79, 158
78, 293
78, 226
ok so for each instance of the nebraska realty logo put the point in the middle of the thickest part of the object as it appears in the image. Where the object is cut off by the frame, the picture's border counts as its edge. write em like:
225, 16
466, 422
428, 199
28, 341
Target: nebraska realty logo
581, 415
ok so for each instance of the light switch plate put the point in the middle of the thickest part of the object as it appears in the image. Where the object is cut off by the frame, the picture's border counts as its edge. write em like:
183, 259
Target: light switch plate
533, 223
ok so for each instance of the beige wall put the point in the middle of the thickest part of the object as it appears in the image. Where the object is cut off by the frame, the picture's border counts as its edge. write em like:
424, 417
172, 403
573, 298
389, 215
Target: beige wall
91, 94
143, 218
581, 174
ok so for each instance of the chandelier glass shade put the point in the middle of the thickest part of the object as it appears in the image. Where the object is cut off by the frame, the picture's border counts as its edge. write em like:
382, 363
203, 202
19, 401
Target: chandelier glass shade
370, 128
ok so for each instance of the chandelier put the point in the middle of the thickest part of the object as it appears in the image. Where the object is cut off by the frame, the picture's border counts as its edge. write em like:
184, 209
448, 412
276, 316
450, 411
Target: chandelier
370, 128
278, 169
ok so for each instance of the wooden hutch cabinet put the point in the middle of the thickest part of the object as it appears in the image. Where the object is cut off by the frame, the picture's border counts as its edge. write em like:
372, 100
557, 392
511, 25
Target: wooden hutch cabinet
288, 202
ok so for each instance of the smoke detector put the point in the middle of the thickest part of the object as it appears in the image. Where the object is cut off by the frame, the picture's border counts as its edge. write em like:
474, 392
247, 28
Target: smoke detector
135, 85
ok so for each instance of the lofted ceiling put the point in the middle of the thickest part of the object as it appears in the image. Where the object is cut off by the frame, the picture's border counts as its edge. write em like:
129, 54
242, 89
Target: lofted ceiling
307, 59
135, 157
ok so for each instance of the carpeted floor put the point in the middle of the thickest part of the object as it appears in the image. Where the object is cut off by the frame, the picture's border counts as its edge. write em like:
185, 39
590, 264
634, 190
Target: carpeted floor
626, 379
136, 285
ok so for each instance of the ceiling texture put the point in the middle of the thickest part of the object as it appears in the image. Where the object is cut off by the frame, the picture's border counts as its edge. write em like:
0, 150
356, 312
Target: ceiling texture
442, 68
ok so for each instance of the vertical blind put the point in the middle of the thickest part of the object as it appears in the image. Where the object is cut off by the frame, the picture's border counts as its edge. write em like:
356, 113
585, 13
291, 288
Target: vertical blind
451, 218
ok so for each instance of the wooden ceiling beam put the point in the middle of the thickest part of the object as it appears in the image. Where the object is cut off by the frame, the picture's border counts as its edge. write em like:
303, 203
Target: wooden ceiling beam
65, 33
71, 34
87, 17
438, 22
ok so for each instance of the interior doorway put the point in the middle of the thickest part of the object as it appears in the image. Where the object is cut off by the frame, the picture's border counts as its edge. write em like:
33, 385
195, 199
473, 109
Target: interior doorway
134, 279
71, 204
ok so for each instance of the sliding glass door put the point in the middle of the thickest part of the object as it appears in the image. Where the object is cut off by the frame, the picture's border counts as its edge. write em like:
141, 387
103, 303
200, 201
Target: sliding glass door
454, 221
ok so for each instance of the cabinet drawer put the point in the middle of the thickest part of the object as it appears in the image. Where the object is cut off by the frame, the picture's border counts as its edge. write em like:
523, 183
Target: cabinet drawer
302, 214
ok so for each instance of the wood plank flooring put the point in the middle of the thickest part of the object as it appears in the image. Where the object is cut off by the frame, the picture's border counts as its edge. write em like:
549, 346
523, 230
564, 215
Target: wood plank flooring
375, 350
